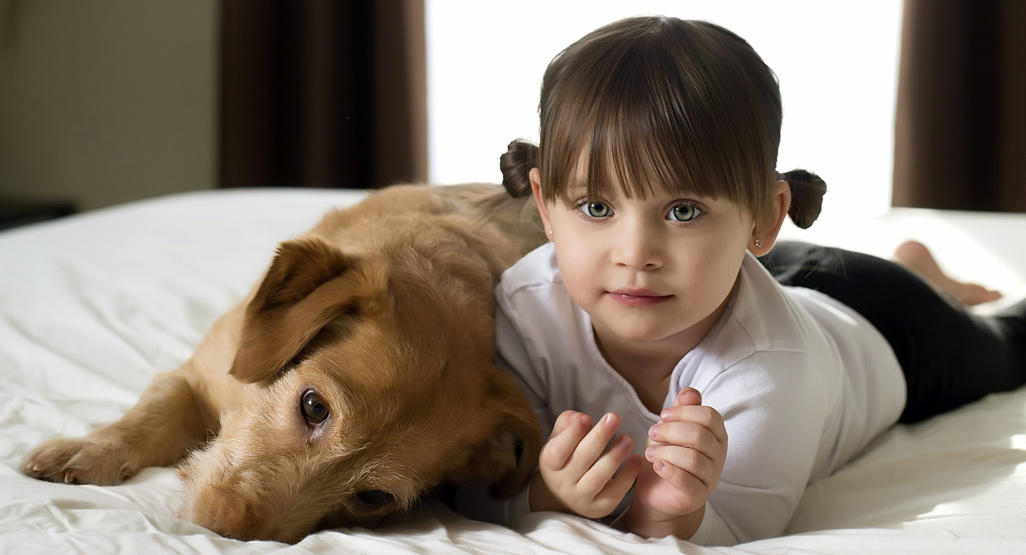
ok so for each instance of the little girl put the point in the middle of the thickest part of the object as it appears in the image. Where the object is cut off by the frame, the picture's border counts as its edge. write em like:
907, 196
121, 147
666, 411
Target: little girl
647, 332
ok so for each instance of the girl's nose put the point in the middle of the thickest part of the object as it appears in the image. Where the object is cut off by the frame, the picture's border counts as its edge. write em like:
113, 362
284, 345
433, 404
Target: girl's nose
638, 249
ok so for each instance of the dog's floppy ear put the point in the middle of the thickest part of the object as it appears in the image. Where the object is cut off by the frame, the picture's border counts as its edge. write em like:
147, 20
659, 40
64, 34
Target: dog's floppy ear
309, 284
508, 456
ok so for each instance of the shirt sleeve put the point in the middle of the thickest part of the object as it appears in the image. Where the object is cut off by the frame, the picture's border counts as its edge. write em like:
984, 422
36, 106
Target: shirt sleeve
775, 410
514, 357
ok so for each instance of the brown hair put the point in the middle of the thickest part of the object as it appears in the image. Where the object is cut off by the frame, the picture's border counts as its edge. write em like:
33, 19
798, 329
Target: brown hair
658, 102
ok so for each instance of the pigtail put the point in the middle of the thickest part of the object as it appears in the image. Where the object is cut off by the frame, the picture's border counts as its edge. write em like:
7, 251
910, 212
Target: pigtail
516, 164
807, 190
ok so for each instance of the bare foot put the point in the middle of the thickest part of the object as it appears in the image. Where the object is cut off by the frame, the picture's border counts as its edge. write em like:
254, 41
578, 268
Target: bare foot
915, 256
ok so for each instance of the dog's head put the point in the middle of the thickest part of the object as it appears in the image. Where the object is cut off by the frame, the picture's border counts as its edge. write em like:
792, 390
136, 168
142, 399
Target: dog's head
375, 383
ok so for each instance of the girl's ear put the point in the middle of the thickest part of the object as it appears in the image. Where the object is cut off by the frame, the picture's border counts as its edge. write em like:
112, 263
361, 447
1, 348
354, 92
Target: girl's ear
764, 235
535, 177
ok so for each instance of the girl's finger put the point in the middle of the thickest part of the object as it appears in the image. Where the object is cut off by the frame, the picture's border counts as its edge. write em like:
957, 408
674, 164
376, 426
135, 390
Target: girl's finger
703, 415
593, 445
692, 490
617, 488
687, 397
691, 462
563, 441
686, 434
596, 478
566, 419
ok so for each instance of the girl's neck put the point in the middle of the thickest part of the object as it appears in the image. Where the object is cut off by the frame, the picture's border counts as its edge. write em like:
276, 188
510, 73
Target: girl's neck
651, 359
647, 366
646, 370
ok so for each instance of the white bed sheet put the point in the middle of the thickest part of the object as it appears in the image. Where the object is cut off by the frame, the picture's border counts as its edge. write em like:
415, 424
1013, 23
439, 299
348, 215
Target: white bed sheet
92, 306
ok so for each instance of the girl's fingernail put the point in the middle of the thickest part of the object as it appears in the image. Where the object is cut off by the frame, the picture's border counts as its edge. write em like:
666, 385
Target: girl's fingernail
608, 419
650, 453
653, 431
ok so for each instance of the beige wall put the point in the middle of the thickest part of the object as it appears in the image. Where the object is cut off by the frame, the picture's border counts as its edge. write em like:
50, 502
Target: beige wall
105, 101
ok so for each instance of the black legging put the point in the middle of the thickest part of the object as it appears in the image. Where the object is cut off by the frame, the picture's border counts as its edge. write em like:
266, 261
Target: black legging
949, 355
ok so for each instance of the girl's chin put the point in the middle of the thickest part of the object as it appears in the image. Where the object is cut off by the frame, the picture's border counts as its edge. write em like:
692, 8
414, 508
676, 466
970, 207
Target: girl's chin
634, 332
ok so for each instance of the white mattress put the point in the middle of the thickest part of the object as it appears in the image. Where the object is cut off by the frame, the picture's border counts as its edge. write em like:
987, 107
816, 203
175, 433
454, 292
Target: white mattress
91, 307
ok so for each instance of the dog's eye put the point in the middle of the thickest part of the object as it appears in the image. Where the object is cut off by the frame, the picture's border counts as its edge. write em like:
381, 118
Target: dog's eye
375, 498
313, 407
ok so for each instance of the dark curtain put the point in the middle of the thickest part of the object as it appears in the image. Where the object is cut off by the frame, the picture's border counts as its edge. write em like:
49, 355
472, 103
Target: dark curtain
320, 93
960, 135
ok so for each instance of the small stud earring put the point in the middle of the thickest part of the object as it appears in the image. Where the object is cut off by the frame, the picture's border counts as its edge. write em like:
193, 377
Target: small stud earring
549, 231
757, 243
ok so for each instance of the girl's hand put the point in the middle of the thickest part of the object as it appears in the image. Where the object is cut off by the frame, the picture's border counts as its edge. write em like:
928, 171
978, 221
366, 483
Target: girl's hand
687, 455
578, 473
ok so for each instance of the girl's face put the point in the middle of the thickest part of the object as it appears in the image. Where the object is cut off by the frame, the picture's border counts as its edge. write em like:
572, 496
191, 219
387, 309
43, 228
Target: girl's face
652, 270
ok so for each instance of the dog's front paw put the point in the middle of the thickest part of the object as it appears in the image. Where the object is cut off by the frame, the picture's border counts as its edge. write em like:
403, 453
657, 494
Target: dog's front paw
80, 461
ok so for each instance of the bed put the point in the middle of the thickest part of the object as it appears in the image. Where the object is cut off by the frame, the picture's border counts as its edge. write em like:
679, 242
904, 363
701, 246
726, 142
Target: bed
92, 306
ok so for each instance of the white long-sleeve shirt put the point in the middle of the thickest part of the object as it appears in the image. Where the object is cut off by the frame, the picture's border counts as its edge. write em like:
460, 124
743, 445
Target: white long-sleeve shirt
802, 381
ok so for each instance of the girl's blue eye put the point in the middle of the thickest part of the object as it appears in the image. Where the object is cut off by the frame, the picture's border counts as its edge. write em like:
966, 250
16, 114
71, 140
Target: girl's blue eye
684, 212
597, 210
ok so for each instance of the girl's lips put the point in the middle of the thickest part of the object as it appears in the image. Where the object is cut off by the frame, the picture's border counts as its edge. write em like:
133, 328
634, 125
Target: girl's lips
637, 297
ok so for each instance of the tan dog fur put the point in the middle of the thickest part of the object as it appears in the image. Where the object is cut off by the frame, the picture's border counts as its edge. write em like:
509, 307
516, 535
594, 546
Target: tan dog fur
384, 310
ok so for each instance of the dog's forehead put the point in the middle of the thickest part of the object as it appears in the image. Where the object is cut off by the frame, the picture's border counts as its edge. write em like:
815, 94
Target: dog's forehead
376, 356
363, 378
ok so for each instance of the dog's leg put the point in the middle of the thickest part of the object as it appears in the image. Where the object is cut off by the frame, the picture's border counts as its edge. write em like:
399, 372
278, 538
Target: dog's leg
165, 423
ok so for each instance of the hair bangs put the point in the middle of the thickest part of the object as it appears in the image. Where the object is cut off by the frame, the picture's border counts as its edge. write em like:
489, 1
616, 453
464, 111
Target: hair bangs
637, 121
658, 105
646, 145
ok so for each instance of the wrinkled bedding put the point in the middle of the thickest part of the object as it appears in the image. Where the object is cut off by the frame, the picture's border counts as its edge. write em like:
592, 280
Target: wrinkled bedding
92, 306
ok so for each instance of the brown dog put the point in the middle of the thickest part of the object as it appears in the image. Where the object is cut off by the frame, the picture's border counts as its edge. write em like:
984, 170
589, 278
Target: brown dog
353, 379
